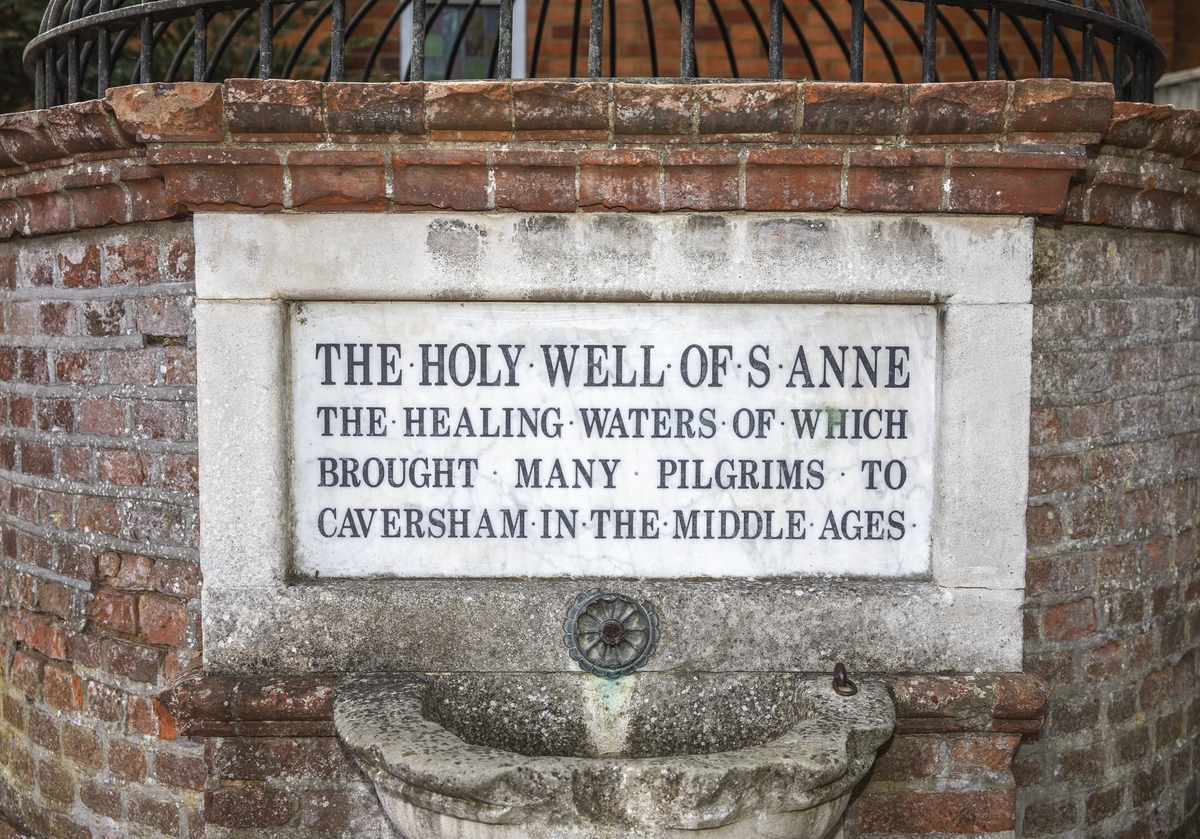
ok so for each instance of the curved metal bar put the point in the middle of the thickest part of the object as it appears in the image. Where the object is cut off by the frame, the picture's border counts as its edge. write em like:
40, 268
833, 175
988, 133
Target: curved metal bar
1004, 62
74, 34
812, 64
959, 45
185, 46
293, 58
458, 37
837, 33
762, 33
612, 38
382, 39
575, 21
649, 37
887, 51
1028, 39
275, 27
724, 30
908, 27
537, 38
1068, 51
223, 45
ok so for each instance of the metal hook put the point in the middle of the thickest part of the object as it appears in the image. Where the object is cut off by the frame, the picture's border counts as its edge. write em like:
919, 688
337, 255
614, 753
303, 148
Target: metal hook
841, 682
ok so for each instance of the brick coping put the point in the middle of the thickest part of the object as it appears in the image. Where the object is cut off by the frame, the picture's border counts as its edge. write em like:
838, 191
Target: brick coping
1050, 148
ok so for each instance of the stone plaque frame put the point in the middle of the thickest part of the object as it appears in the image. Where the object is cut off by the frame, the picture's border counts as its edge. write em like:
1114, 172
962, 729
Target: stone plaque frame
964, 616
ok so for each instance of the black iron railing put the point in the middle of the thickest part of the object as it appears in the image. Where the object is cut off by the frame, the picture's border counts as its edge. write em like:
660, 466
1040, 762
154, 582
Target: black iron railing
86, 46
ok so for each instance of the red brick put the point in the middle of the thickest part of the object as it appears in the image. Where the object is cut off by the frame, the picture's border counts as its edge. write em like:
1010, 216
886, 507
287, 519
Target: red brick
1071, 620
43, 728
895, 181
978, 754
1135, 124
103, 318
446, 180
99, 206
114, 610
279, 110
84, 650
751, 112
42, 633
956, 112
181, 112
26, 673
375, 110
126, 760
1078, 110
177, 578
33, 367
907, 757
101, 798
180, 474
180, 363
131, 367
64, 689
1137, 509
159, 420
624, 180
700, 180
131, 572
856, 113
163, 621
160, 317
151, 717
1047, 474
325, 810
975, 811
82, 746
56, 782
296, 698
124, 467
148, 200
134, 662
180, 262
1043, 524
652, 112
226, 185
1019, 696
561, 110
336, 180
535, 181
1009, 191
249, 806
98, 514
27, 138
480, 111
55, 415
179, 771
793, 179
52, 597
131, 263
1180, 135
104, 703
80, 267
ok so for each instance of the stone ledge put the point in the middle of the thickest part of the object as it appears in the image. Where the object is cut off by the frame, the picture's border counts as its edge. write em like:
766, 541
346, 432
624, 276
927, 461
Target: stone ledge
302, 706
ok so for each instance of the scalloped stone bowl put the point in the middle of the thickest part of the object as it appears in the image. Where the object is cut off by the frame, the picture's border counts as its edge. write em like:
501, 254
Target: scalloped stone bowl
566, 756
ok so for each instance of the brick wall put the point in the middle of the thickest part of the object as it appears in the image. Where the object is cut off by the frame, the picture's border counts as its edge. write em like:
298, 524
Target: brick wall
101, 581
1113, 614
107, 730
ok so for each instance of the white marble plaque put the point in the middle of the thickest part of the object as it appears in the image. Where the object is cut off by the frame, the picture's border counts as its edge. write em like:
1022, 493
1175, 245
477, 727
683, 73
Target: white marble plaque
576, 439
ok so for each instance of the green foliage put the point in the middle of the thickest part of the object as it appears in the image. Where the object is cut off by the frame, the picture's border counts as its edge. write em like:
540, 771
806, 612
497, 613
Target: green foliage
19, 20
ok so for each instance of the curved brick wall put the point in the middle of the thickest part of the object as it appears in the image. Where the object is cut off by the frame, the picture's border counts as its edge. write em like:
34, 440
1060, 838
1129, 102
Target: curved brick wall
109, 729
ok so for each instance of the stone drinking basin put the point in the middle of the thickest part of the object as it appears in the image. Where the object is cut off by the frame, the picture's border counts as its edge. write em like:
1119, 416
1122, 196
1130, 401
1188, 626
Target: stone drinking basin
567, 756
